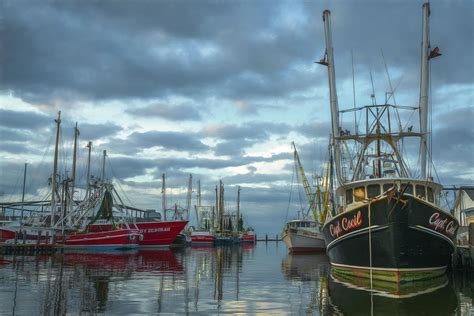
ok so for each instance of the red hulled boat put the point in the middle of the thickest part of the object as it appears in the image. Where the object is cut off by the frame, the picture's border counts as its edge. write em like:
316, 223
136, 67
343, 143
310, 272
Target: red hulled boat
112, 239
154, 234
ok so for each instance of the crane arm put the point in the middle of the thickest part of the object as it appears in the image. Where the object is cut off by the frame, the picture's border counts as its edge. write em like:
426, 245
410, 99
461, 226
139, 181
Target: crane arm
306, 186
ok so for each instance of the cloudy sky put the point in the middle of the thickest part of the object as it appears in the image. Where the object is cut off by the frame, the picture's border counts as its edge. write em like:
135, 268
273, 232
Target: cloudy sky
217, 89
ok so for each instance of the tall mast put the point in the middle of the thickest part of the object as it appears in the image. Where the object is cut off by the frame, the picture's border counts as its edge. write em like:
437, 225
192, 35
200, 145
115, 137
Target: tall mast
424, 86
329, 62
23, 194
89, 146
188, 197
55, 171
103, 165
217, 210
198, 207
163, 195
199, 193
74, 157
238, 208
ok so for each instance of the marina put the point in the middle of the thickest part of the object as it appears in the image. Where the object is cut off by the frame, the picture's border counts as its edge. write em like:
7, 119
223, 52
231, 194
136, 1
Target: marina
260, 180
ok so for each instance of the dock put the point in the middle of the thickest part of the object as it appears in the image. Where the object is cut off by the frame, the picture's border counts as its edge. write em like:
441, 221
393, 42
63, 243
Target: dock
464, 254
27, 249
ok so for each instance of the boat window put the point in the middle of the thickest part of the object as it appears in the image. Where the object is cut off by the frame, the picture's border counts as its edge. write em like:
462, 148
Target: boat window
359, 193
407, 188
430, 194
420, 191
387, 186
349, 196
373, 190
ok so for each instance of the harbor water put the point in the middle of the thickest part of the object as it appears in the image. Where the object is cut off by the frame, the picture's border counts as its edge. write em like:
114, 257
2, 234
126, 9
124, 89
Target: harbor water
248, 279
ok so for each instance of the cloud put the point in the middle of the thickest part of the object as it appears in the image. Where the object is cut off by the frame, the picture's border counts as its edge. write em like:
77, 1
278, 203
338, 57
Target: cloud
181, 112
23, 120
138, 141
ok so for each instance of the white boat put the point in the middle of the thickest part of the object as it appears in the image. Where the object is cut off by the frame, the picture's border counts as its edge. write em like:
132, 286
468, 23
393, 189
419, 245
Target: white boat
303, 236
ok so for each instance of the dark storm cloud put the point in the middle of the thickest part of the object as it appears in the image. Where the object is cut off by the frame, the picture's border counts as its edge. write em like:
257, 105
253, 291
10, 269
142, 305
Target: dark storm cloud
180, 112
254, 130
23, 120
8, 134
126, 167
97, 131
453, 145
138, 141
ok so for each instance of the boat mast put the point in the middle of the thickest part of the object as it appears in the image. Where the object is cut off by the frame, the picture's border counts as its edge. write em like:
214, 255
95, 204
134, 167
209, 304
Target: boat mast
198, 207
188, 197
329, 62
103, 165
238, 208
163, 195
89, 146
23, 195
424, 86
73, 180
55, 171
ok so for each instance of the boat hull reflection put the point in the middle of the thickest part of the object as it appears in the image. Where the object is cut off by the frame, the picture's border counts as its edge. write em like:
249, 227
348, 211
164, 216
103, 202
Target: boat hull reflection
358, 296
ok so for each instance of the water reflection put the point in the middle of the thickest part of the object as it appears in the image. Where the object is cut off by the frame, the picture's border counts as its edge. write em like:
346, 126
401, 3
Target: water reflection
207, 280
357, 296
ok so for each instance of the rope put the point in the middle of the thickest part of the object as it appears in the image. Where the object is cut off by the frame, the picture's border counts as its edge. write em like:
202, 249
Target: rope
370, 260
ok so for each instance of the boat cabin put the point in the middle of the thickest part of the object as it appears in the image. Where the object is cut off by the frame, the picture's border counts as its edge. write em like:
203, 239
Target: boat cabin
358, 192
301, 223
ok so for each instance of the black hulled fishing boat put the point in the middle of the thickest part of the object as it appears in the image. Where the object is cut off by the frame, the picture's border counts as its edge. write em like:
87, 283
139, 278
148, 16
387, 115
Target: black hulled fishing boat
386, 224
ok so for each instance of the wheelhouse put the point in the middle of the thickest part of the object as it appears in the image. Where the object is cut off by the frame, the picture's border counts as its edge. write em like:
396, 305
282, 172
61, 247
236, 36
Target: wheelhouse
358, 192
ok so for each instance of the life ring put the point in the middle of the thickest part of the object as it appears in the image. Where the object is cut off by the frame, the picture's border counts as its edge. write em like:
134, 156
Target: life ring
132, 237
140, 237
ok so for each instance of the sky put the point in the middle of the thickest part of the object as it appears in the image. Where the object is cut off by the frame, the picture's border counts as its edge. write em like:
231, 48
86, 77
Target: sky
219, 90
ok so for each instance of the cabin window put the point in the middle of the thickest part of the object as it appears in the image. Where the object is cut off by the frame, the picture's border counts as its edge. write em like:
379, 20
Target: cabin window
430, 194
373, 190
359, 193
420, 191
387, 186
349, 196
407, 188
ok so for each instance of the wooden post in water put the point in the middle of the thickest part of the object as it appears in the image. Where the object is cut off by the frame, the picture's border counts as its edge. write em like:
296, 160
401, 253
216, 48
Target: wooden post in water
266, 237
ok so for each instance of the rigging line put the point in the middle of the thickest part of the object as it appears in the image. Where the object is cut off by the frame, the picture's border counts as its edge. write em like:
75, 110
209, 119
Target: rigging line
430, 127
353, 94
374, 100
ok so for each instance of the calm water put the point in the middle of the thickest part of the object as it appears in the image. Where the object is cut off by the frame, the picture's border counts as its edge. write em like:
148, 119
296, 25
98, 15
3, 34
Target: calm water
259, 279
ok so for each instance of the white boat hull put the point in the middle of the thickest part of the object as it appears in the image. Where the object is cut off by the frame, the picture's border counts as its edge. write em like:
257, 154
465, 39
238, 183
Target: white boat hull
299, 240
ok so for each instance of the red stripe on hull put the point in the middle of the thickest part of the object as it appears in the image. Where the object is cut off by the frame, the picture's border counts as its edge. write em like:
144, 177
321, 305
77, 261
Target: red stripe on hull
114, 238
6, 234
155, 234
199, 239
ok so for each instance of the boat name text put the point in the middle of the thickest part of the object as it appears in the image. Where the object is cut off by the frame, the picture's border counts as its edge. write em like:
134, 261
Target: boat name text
154, 230
442, 224
346, 224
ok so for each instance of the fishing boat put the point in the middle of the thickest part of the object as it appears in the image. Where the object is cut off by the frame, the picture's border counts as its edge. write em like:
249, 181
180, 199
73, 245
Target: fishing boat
110, 239
248, 236
151, 233
386, 223
301, 235
202, 237
204, 232
304, 234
